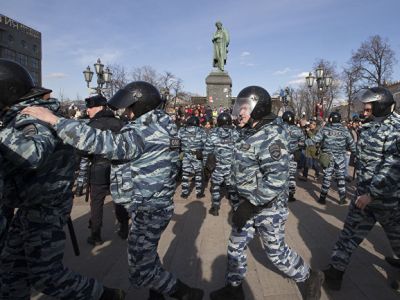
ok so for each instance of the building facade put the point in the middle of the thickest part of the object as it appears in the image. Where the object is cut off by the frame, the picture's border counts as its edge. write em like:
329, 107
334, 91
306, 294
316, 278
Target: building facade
22, 44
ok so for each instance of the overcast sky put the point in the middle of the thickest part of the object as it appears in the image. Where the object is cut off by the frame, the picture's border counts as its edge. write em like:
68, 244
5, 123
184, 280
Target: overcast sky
273, 43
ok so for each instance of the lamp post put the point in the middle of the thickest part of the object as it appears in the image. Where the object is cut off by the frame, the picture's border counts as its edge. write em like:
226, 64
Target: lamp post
324, 81
103, 77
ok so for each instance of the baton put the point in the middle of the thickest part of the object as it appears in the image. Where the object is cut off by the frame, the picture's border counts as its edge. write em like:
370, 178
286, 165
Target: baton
73, 237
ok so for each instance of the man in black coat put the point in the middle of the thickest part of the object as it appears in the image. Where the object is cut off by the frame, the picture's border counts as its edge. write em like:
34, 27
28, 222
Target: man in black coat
98, 169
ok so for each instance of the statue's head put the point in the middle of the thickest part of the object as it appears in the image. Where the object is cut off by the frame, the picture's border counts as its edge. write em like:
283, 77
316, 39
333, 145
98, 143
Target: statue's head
218, 24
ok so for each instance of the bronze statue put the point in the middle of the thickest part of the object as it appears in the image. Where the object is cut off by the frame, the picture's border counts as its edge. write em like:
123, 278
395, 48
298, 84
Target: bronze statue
221, 42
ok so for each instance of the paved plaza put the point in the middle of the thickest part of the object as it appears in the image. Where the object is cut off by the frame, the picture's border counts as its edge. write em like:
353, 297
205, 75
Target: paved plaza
194, 248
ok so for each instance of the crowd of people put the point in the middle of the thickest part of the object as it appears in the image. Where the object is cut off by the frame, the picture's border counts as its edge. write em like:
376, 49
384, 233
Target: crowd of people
137, 156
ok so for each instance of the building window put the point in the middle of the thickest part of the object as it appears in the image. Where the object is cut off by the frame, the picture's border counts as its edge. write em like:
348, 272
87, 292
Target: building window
34, 63
23, 43
9, 54
10, 38
22, 59
34, 48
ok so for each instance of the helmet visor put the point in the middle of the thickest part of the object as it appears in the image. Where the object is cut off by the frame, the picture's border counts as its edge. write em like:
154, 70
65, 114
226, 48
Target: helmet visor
121, 99
243, 107
367, 96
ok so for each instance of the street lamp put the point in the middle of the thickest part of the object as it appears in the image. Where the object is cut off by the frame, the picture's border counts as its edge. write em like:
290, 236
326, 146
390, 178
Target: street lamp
103, 77
324, 81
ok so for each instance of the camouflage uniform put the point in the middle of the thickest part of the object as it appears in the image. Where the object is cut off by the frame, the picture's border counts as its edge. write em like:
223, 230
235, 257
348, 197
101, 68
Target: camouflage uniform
143, 179
260, 171
378, 173
296, 140
192, 143
82, 178
221, 142
40, 187
335, 139
3, 220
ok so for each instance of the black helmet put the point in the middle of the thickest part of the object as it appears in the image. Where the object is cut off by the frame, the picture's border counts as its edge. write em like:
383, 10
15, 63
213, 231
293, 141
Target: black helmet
94, 101
381, 99
253, 100
141, 96
16, 85
224, 119
193, 121
335, 117
288, 117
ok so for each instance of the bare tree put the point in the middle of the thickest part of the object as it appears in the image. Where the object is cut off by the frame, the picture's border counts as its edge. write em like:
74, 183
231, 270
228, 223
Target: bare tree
374, 60
119, 79
351, 85
148, 74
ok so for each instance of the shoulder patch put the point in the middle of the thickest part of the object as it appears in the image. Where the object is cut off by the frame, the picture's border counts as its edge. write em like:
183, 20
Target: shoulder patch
174, 144
30, 130
275, 151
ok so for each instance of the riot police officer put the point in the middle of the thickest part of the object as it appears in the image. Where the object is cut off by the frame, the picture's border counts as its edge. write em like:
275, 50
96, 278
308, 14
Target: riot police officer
192, 138
97, 170
220, 143
378, 184
296, 141
39, 178
144, 157
334, 139
260, 171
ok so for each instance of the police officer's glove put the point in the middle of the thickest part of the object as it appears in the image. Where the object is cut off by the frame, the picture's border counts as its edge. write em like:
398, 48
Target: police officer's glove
79, 191
244, 212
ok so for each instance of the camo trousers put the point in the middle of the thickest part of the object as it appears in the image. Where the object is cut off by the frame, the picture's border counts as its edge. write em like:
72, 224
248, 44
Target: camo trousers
337, 165
270, 224
292, 175
32, 257
356, 227
192, 166
218, 177
145, 269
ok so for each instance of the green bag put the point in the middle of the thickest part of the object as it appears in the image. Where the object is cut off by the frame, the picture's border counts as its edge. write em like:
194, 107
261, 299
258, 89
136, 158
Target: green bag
324, 159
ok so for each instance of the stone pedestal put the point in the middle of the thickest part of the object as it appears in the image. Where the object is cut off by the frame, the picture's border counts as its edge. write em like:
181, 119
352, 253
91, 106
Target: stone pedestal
219, 89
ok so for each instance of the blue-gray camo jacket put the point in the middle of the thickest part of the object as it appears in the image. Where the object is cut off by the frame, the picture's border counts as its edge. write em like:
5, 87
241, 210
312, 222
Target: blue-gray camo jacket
40, 167
260, 169
143, 156
378, 162
296, 138
192, 140
221, 142
335, 139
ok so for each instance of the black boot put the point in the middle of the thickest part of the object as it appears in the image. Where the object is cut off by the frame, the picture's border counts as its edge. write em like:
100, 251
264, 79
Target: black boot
291, 197
154, 295
184, 195
184, 292
95, 238
313, 285
342, 201
214, 210
200, 195
123, 230
333, 278
112, 294
322, 200
228, 292
394, 262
